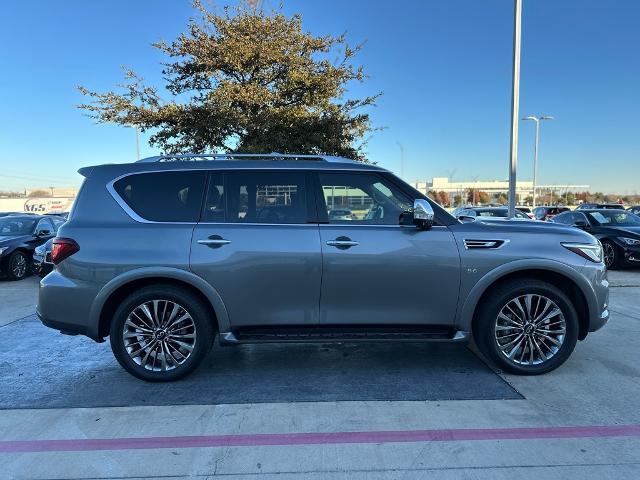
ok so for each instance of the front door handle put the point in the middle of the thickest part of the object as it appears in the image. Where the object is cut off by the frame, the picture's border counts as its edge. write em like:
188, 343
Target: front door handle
342, 242
214, 241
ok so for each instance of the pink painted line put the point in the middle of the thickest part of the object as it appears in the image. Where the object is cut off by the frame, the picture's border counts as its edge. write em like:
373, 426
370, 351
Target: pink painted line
284, 439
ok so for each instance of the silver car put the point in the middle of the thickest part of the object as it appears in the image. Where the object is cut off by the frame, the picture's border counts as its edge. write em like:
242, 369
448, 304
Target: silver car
165, 255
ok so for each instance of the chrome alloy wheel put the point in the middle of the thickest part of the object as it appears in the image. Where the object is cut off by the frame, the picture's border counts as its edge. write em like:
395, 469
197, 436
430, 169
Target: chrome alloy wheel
159, 335
530, 329
19, 266
609, 254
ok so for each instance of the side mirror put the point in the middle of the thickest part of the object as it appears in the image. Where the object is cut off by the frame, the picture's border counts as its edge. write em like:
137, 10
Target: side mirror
43, 233
581, 224
422, 214
466, 218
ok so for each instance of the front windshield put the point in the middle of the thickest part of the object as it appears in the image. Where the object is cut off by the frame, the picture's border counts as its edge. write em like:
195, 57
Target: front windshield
615, 217
13, 227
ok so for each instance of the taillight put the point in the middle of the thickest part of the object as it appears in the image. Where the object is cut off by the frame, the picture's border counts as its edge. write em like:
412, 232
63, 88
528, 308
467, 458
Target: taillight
63, 248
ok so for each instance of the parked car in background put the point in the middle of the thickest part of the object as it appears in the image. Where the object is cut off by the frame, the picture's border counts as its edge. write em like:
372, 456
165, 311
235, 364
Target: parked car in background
547, 213
183, 254
63, 215
341, 214
617, 230
595, 206
634, 209
42, 263
19, 236
526, 210
487, 213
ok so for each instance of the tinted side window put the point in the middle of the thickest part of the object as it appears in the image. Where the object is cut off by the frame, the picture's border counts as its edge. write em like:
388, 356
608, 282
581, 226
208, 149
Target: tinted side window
163, 196
362, 198
270, 197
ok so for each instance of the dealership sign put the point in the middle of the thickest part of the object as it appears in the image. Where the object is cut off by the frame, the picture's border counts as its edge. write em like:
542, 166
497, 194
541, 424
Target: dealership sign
48, 205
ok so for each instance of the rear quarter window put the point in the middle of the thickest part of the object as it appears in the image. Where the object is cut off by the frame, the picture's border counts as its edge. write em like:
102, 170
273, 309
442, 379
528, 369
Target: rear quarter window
163, 196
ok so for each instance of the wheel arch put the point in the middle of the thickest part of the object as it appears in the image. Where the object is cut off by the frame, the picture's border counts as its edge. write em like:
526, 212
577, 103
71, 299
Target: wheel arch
112, 294
565, 278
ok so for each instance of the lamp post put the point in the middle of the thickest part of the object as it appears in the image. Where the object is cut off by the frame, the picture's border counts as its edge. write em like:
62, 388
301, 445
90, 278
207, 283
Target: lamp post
515, 104
533, 118
137, 143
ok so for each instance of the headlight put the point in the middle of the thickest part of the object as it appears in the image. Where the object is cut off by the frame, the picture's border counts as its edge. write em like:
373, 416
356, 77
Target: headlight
587, 250
629, 241
3, 249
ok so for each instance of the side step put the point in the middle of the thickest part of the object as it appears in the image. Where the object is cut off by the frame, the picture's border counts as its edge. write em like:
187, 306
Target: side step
343, 334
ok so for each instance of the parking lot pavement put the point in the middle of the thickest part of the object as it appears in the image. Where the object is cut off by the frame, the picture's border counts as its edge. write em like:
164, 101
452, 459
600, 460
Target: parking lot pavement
597, 390
17, 299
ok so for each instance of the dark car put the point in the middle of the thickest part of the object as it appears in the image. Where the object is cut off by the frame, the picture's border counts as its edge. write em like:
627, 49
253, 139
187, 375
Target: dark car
597, 206
635, 209
617, 230
487, 213
547, 213
19, 236
42, 263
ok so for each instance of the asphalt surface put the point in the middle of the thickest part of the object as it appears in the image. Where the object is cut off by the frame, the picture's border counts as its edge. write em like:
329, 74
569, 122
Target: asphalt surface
579, 422
44, 369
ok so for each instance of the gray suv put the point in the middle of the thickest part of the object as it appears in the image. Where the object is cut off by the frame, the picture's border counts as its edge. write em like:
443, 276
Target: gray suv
164, 255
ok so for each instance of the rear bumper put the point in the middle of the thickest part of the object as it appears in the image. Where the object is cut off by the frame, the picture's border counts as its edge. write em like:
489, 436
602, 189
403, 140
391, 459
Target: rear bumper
65, 304
63, 327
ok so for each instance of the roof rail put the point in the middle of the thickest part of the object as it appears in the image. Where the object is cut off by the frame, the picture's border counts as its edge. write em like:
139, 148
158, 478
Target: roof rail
195, 157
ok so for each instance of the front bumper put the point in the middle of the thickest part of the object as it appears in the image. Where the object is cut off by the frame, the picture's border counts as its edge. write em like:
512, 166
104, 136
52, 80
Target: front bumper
631, 254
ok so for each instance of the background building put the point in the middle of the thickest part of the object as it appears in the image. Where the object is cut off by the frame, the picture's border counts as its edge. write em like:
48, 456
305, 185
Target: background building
495, 189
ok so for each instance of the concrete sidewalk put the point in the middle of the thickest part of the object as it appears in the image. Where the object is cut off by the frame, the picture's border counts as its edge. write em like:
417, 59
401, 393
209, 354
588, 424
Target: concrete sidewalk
598, 386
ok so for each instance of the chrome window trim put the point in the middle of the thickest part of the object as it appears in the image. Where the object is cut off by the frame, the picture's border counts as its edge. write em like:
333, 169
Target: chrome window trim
134, 216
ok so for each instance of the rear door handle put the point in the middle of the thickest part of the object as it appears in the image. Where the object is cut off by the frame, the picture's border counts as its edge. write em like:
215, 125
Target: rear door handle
220, 241
214, 241
342, 242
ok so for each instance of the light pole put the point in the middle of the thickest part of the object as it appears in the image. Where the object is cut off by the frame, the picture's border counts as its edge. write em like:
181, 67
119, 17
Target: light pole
533, 118
515, 105
401, 160
137, 143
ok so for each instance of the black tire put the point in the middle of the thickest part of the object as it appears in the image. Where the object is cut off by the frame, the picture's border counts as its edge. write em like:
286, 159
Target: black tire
485, 332
202, 329
614, 262
14, 269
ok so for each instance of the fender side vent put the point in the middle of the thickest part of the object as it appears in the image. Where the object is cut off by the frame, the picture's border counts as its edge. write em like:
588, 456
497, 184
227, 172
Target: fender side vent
472, 244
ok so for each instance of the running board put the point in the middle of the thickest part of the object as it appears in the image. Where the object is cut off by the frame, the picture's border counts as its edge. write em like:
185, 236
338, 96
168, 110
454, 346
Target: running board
342, 334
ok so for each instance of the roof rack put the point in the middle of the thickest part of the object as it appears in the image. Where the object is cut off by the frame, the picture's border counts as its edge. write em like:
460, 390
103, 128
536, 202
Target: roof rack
195, 157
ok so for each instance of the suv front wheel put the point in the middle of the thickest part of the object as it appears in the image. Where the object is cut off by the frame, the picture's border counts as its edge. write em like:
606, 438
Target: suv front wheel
527, 327
161, 333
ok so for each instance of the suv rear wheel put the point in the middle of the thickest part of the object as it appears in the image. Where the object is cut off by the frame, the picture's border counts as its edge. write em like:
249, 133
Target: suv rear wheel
161, 333
528, 327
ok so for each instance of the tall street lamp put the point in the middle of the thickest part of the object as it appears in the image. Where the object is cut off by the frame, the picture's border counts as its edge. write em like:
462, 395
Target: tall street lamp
533, 118
515, 105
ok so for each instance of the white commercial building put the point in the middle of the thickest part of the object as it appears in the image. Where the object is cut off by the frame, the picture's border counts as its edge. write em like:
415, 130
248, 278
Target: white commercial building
494, 188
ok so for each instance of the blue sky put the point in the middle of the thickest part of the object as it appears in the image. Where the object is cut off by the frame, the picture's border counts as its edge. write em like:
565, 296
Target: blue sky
444, 67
